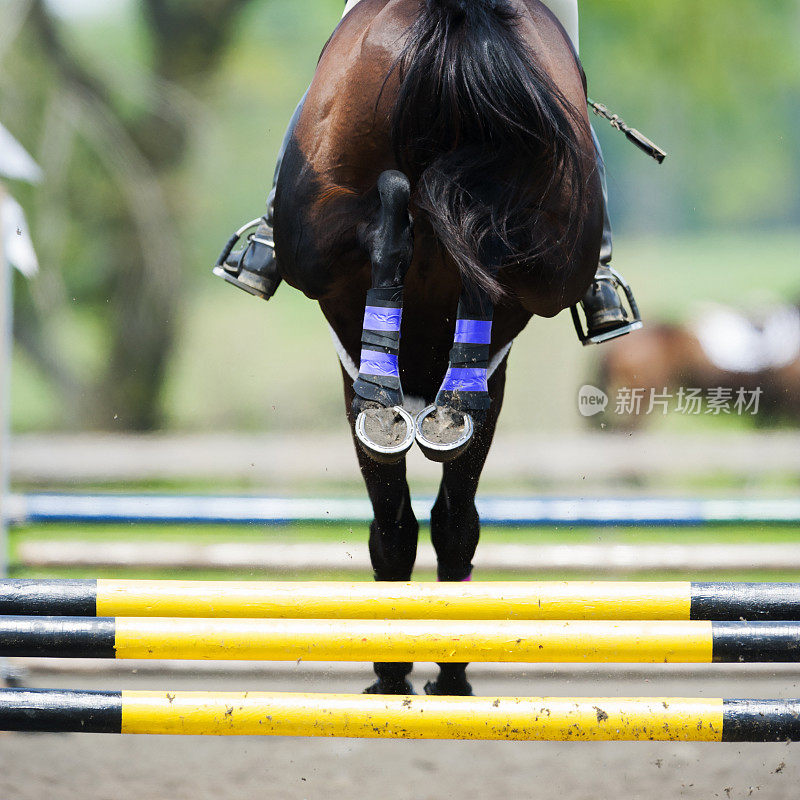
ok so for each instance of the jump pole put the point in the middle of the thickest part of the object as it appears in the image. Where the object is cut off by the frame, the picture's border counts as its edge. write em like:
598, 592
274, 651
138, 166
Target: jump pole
401, 717
37, 508
601, 600
517, 641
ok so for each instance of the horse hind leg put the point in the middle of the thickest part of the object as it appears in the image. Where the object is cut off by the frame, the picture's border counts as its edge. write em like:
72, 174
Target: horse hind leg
455, 524
383, 428
392, 540
392, 548
446, 429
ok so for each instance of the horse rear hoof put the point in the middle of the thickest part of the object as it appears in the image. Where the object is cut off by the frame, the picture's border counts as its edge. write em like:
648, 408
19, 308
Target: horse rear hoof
460, 689
443, 433
389, 687
385, 434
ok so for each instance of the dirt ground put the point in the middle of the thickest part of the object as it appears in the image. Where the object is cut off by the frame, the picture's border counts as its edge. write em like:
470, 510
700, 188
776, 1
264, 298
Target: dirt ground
97, 767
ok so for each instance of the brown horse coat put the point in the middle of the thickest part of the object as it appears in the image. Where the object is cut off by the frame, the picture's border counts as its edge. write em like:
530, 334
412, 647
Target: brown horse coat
327, 186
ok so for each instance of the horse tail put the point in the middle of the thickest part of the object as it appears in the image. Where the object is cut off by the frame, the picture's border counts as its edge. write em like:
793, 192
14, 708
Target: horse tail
486, 138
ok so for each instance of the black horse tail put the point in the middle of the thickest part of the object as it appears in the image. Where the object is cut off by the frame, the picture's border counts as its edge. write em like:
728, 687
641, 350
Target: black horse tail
487, 139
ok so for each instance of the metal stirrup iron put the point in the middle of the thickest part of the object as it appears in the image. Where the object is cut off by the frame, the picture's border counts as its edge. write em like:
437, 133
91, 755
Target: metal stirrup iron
618, 283
258, 282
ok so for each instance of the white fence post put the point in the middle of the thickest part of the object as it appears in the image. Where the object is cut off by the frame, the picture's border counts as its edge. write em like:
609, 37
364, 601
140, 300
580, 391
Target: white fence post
6, 337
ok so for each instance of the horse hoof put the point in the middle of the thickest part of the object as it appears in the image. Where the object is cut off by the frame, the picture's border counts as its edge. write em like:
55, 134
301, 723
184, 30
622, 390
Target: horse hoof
443, 433
460, 689
390, 687
385, 434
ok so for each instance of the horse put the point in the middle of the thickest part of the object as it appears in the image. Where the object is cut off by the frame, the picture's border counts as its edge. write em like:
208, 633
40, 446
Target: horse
440, 180
720, 349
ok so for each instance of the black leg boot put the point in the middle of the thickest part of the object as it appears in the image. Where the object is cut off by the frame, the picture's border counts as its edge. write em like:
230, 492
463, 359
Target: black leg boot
254, 267
606, 315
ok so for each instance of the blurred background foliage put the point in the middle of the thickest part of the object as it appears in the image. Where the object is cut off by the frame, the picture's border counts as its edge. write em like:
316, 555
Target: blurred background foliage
157, 123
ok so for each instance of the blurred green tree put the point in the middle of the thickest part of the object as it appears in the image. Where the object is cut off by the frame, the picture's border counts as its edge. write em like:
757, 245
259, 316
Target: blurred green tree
108, 215
718, 84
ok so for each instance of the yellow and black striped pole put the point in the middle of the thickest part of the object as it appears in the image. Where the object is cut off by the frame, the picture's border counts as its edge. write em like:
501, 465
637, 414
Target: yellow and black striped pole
345, 600
401, 717
520, 641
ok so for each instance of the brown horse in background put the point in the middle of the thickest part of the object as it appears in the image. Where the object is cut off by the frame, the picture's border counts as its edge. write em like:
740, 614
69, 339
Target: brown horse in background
443, 160
669, 356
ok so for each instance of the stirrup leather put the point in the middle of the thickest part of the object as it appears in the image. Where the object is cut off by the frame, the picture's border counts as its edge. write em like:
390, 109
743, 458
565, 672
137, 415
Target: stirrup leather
622, 289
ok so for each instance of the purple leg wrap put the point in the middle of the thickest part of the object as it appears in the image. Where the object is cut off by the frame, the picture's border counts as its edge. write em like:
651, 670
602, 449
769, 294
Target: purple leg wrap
379, 373
465, 386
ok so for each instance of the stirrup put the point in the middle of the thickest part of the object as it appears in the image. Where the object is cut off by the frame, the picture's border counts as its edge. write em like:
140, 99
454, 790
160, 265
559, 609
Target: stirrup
621, 287
250, 281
